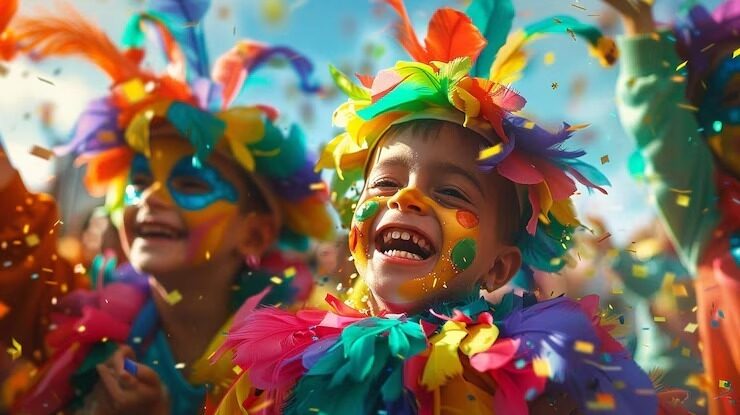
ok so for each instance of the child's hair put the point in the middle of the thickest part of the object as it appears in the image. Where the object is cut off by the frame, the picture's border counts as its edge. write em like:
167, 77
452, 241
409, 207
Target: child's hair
509, 212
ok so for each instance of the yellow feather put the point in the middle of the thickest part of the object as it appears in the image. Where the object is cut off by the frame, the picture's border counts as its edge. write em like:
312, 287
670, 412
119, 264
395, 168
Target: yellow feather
480, 338
444, 362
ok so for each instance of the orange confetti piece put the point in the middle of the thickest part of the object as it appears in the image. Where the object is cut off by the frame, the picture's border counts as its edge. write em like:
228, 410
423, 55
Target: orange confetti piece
583, 347
317, 186
577, 127
41, 152
541, 367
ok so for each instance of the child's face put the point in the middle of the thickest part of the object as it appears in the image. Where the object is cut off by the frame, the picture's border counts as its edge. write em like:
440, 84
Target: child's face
426, 227
179, 216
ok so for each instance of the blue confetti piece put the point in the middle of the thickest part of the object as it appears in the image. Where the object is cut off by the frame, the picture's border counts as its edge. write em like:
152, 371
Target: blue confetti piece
130, 366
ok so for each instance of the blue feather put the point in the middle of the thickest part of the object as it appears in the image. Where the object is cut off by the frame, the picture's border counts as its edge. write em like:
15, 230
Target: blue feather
186, 16
493, 18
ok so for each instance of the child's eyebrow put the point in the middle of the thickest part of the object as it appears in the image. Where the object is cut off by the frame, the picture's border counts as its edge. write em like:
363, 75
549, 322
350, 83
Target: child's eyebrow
445, 167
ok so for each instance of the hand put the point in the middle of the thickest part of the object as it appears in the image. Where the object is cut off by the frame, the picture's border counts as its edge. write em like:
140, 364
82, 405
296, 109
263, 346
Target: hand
127, 387
637, 15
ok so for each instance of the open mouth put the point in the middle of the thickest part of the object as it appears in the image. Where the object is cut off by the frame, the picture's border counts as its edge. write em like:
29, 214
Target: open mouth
404, 243
152, 230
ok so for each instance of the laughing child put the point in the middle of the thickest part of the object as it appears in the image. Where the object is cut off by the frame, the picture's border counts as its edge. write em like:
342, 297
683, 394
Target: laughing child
458, 192
205, 195
678, 96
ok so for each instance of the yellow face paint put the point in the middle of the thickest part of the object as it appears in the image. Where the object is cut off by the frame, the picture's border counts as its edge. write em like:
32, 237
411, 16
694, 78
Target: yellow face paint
206, 212
460, 235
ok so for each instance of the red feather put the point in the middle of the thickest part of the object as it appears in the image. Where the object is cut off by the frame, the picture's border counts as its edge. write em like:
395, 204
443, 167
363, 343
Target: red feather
7, 10
405, 33
452, 35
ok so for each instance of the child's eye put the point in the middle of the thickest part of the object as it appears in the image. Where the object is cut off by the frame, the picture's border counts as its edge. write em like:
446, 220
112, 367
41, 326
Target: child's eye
141, 181
452, 192
384, 184
190, 185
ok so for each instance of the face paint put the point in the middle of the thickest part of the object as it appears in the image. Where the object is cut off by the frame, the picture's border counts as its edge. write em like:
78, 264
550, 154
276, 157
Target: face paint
207, 201
460, 234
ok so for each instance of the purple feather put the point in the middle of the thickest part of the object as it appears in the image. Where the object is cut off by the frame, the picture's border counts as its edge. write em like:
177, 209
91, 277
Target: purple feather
316, 351
301, 65
297, 186
99, 117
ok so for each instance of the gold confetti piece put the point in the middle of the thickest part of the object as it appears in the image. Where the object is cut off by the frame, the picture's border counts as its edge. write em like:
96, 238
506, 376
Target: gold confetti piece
688, 107
707, 47
681, 65
44, 80
583, 347
683, 200
208, 255
541, 367
693, 310
4, 309
180, 365
80, 269
32, 240
736, 53
679, 290
237, 370
578, 7
604, 237
490, 151
617, 290
529, 125
639, 271
685, 352
3, 70
173, 297
41, 152
289, 272
571, 33
16, 350
276, 280
691, 328
353, 276
554, 86
604, 159
577, 127
549, 58
317, 186
659, 319
81, 328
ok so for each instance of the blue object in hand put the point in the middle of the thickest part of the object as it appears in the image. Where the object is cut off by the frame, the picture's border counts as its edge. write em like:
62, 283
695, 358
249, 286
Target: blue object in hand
130, 366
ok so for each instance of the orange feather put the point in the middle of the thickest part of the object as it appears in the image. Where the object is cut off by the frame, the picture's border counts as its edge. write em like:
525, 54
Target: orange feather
405, 33
7, 10
452, 35
67, 33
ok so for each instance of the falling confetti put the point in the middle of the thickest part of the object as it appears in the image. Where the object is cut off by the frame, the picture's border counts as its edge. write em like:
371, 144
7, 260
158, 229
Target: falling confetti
604, 159
41, 152
691, 328
554, 86
681, 65
44, 80
583, 347
4, 309
683, 200
549, 58
276, 280
736, 53
173, 297
490, 151
16, 350
541, 367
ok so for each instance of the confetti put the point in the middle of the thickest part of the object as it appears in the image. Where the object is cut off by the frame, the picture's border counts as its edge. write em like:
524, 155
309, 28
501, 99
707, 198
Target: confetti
208, 255
688, 107
639, 271
490, 151
681, 65
237, 370
571, 33
44, 80
549, 58
173, 297
16, 350
604, 237
577, 127
541, 367
659, 319
679, 290
276, 280
4, 309
317, 186
32, 240
180, 365
683, 200
578, 7
289, 272
554, 86
80, 269
41, 152
529, 125
604, 401
604, 159
583, 347
736, 53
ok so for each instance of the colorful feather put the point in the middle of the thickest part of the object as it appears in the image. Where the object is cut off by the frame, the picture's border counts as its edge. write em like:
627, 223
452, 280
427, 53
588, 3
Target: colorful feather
444, 362
186, 16
494, 19
405, 33
67, 33
452, 35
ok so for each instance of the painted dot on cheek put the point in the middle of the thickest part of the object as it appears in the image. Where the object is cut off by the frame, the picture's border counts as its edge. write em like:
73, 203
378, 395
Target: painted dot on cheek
367, 210
463, 254
467, 219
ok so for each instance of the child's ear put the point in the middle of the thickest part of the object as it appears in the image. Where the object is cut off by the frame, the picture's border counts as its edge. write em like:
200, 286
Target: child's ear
258, 233
506, 264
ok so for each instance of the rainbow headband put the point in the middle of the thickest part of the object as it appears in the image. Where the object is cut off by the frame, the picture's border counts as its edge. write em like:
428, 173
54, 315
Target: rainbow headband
195, 102
455, 76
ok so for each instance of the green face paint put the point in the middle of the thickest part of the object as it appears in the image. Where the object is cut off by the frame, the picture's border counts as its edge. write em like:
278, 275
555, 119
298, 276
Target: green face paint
463, 254
367, 211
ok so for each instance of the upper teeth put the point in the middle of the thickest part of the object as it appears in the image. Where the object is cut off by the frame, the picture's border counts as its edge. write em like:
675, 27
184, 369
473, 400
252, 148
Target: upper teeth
150, 228
406, 236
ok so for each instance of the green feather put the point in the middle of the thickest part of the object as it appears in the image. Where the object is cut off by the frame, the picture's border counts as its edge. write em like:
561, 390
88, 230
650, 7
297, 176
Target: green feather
494, 19
351, 89
277, 156
201, 128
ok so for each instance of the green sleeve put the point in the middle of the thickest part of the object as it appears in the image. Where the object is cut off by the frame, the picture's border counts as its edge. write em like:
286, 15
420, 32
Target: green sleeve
652, 107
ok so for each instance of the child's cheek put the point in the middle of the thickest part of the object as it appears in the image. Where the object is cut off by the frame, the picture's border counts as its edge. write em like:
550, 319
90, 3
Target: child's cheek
207, 228
459, 249
361, 222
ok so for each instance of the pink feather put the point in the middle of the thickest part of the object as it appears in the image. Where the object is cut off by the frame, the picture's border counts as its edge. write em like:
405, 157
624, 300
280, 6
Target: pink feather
520, 169
561, 186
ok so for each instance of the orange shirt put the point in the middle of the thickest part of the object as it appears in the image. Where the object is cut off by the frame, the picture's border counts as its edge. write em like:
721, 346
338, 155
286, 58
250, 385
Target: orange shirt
32, 276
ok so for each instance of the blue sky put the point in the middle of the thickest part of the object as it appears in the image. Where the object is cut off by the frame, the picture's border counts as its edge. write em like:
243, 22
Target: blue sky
348, 33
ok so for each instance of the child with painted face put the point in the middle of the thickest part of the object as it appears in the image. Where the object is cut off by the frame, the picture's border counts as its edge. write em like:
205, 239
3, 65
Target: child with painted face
458, 193
205, 194
678, 96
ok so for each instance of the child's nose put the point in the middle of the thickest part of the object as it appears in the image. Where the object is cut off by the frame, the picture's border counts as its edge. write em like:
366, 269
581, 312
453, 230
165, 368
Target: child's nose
156, 196
409, 200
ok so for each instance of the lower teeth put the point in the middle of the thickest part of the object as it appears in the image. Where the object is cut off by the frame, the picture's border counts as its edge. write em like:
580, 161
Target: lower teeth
402, 254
